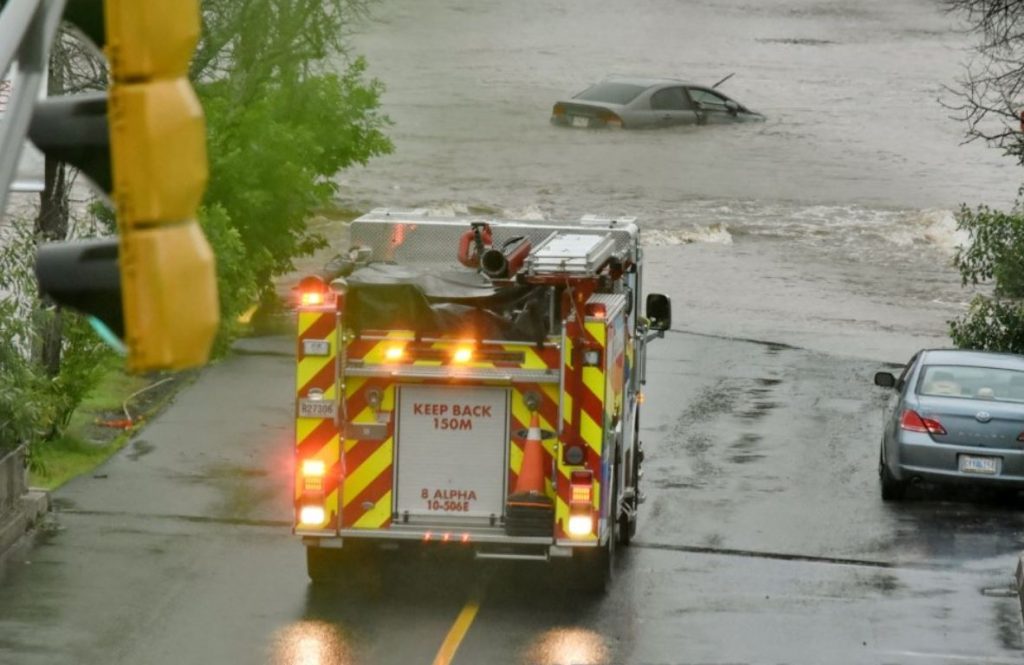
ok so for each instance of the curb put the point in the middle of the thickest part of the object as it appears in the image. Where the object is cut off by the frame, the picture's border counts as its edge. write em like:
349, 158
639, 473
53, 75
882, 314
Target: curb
274, 345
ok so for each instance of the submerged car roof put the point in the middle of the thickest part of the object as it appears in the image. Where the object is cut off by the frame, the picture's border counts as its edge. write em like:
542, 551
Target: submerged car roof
645, 82
979, 358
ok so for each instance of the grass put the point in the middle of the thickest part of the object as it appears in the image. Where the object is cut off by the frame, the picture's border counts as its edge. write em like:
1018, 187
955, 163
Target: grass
86, 444
58, 461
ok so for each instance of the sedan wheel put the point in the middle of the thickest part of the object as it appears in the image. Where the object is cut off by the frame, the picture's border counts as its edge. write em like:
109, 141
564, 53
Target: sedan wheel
892, 489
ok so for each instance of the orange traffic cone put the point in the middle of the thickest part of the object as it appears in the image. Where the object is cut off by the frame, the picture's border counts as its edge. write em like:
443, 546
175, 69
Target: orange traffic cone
531, 474
530, 512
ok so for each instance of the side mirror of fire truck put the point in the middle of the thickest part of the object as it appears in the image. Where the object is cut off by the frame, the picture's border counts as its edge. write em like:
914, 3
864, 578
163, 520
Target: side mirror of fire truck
659, 312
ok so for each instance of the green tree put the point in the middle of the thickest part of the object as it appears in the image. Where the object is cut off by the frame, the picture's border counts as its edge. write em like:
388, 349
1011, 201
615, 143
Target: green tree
287, 108
990, 104
994, 255
36, 402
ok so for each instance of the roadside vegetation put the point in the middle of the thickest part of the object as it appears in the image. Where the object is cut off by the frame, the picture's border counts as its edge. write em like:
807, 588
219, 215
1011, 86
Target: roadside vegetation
287, 107
992, 106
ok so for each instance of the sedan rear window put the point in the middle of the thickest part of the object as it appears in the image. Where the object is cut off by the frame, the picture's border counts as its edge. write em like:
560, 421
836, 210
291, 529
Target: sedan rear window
611, 93
983, 383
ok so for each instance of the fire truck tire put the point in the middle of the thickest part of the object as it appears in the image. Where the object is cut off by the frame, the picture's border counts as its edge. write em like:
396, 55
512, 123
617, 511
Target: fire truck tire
627, 524
323, 565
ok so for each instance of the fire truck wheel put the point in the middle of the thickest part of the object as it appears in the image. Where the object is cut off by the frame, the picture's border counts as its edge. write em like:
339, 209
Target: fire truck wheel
329, 566
323, 565
627, 523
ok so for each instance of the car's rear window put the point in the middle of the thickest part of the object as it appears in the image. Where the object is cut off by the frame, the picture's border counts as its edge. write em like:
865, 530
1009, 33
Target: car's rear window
984, 383
611, 93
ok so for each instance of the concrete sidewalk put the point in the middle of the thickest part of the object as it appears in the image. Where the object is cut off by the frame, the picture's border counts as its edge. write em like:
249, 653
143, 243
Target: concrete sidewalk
22, 508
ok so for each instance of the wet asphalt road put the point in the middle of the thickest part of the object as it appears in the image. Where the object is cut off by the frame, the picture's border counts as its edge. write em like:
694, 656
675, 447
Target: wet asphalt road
763, 540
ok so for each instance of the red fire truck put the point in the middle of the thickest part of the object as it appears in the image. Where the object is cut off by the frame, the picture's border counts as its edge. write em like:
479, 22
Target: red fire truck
474, 383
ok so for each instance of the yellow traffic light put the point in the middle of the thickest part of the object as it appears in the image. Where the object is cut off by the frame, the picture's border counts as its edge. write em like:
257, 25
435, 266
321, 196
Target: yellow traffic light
159, 169
169, 292
144, 143
152, 39
158, 152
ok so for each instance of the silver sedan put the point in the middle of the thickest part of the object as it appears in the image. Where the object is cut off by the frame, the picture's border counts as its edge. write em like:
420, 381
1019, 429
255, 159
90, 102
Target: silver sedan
957, 417
637, 103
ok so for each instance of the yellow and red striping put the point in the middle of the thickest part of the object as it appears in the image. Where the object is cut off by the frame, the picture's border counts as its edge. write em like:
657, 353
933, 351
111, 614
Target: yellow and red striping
583, 412
547, 411
366, 499
367, 464
370, 463
318, 438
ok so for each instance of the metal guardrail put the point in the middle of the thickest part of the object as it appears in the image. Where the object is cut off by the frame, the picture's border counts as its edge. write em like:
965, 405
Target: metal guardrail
13, 481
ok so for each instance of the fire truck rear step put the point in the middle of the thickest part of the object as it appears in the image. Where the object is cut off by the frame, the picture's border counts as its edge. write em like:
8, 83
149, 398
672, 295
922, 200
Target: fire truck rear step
512, 556
476, 535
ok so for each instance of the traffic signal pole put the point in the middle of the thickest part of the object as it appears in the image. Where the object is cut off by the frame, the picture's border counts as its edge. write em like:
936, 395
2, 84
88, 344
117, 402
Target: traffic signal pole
27, 29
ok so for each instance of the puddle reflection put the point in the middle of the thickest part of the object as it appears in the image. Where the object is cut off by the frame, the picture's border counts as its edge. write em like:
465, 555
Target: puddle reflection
568, 646
312, 643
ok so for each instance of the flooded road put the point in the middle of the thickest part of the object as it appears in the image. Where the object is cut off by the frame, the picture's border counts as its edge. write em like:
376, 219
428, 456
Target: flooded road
763, 540
852, 180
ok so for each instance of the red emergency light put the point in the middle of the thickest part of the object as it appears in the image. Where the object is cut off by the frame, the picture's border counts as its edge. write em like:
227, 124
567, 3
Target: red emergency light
313, 292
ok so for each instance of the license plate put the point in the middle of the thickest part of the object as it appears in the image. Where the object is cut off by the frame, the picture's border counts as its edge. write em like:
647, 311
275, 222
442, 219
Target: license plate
975, 464
316, 347
317, 408
580, 121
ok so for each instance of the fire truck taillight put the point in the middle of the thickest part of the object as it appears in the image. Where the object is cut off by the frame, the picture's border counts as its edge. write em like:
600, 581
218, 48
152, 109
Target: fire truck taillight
582, 484
581, 524
312, 515
463, 355
581, 510
313, 467
313, 471
394, 353
581, 494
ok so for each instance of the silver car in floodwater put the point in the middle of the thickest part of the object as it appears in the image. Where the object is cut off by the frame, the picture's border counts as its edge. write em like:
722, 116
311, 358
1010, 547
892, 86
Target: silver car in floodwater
640, 103
957, 417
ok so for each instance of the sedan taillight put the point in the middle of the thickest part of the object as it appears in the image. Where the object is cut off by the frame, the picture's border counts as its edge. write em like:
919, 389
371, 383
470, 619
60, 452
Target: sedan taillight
610, 119
912, 422
558, 111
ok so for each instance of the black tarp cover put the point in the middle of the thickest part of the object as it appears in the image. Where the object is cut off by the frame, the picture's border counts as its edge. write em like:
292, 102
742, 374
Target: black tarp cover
464, 303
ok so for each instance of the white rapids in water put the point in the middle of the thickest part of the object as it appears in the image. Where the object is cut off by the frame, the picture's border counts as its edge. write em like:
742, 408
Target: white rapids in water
829, 226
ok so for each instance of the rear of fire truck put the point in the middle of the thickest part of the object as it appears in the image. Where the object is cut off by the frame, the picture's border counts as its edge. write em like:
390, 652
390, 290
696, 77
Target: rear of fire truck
475, 385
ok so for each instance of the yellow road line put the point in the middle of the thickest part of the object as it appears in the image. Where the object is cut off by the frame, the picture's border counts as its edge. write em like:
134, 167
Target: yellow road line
457, 632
